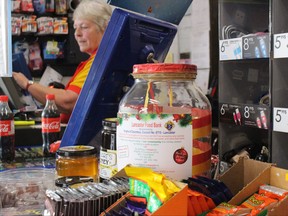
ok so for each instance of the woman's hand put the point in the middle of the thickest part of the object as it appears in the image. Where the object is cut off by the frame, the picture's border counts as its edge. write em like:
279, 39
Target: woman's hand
20, 79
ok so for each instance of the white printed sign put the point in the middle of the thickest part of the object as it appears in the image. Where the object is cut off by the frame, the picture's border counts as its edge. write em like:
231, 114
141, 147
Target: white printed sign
160, 143
280, 45
280, 119
230, 49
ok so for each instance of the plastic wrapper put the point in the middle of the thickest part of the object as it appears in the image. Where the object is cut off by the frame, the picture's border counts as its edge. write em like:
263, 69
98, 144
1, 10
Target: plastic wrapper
273, 192
227, 209
86, 199
25, 187
257, 203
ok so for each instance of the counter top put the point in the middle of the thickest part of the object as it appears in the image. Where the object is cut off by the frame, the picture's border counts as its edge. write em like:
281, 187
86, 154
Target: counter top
27, 157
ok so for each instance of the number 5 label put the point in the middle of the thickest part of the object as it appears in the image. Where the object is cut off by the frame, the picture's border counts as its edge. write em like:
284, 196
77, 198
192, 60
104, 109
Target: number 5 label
281, 45
280, 119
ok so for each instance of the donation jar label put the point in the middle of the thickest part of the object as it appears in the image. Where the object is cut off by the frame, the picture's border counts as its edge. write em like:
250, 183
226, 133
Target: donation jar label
162, 142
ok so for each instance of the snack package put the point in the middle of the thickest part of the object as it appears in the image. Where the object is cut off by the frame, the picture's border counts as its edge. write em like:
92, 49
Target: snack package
16, 6
273, 192
39, 6
27, 6
224, 209
153, 186
199, 202
29, 24
35, 59
60, 25
257, 203
16, 23
45, 25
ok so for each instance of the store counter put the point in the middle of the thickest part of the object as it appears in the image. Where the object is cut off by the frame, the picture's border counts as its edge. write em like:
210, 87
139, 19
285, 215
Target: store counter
28, 148
27, 157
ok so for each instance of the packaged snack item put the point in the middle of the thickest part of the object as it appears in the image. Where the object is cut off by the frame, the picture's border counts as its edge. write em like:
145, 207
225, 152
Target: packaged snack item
16, 6
273, 192
151, 185
60, 25
29, 24
228, 209
258, 203
45, 25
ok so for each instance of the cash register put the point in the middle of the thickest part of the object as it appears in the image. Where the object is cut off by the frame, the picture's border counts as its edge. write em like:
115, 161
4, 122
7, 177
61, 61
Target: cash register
130, 38
138, 32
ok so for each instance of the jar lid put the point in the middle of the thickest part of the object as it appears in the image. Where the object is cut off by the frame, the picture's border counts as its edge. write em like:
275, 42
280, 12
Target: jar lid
164, 68
110, 122
4, 98
79, 150
50, 96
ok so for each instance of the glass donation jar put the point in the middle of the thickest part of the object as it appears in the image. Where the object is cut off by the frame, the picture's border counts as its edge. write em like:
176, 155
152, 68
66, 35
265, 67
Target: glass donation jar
164, 122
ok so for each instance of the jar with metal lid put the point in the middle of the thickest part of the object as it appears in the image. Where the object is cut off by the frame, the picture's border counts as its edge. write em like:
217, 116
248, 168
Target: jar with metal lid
108, 153
164, 122
77, 161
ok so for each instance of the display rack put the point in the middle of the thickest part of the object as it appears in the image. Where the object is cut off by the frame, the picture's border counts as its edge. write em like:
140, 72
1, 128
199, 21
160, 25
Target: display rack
280, 83
46, 29
244, 79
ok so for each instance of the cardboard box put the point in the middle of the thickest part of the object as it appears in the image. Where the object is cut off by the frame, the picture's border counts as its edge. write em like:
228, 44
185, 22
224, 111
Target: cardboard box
176, 205
242, 173
273, 176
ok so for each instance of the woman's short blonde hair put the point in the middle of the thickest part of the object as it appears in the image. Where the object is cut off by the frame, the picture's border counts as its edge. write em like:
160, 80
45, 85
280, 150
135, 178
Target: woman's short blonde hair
94, 10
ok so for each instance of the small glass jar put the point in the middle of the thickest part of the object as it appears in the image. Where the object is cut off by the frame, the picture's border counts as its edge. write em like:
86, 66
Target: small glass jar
108, 152
77, 161
165, 122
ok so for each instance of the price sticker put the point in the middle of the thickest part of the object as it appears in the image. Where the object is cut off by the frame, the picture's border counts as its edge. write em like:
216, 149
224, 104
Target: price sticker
230, 49
280, 119
280, 45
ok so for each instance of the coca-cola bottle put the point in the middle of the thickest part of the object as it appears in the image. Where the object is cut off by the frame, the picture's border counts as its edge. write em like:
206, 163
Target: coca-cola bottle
7, 131
50, 125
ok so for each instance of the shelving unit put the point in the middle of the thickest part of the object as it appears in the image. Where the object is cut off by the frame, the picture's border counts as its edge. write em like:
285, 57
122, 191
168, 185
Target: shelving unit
244, 78
71, 57
280, 83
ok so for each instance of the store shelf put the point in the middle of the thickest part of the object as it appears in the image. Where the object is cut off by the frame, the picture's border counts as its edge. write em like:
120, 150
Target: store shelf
251, 46
245, 115
244, 78
279, 83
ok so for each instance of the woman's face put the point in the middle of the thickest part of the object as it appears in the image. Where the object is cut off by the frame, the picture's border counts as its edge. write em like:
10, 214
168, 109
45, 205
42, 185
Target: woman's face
87, 35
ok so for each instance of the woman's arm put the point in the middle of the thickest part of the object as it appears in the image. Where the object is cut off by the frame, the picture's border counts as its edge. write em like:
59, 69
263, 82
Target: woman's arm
65, 99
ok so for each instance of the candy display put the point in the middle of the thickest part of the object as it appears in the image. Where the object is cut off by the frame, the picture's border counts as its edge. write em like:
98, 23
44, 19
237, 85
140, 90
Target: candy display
87, 199
25, 186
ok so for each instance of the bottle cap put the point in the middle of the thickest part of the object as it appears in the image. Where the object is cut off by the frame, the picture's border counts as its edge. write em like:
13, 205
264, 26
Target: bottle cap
78, 150
110, 122
50, 96
4, 98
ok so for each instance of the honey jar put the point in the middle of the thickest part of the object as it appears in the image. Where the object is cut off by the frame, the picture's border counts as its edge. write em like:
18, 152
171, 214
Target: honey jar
77, 161
108, 152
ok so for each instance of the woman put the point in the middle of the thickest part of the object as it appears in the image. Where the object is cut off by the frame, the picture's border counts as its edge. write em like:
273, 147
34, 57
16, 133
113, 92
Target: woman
90, 21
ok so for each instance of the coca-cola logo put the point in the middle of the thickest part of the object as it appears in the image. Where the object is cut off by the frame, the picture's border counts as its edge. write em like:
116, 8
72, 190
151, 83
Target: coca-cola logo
51, 126
4, 128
